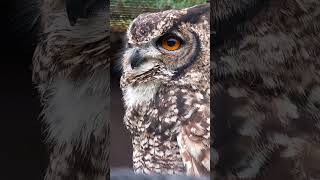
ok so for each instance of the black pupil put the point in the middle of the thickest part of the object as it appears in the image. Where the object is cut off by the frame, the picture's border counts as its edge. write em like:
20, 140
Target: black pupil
171, 42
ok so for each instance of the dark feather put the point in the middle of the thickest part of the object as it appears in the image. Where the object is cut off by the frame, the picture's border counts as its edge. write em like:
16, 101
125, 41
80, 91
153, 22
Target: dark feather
265, 74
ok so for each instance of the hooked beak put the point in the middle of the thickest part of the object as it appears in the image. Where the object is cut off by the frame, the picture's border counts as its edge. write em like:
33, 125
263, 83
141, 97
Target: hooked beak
136, 59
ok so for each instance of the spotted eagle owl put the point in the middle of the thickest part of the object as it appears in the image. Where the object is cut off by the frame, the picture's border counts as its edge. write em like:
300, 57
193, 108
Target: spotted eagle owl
165, 84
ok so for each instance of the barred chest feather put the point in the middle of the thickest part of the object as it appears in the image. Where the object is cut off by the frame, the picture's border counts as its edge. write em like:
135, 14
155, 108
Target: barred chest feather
153, 133
154, 118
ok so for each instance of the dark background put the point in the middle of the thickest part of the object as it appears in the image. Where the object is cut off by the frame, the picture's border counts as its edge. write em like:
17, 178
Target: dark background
121, 150
22, 153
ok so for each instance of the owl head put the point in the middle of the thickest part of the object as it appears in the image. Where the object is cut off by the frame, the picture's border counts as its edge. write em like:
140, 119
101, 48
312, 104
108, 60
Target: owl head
166, 47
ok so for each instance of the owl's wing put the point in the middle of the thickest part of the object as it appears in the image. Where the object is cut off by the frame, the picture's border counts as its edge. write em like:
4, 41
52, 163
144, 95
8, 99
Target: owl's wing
194, 136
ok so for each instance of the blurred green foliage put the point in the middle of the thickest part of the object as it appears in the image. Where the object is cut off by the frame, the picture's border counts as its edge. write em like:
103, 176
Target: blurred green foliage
124, 11
160, 4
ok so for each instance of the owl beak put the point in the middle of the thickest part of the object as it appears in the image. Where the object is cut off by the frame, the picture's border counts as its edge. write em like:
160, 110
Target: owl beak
135, 59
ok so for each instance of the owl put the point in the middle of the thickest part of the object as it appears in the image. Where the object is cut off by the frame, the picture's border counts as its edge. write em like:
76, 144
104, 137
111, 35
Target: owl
265, 89
71, 73
166, 91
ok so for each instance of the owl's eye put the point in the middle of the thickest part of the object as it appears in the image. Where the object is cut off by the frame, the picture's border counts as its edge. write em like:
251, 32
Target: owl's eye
171, 43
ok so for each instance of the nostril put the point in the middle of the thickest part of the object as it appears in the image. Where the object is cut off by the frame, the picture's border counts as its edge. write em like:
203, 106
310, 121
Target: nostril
134, 62
129, 45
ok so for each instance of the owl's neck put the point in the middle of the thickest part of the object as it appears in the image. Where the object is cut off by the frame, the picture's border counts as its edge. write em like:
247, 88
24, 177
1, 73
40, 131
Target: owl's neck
139, 95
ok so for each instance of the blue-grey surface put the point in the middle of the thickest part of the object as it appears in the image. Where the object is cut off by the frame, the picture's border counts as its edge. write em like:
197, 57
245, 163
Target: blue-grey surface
129, 175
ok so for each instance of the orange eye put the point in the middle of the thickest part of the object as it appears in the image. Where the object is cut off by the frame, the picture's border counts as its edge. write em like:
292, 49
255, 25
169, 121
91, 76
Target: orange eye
171, 43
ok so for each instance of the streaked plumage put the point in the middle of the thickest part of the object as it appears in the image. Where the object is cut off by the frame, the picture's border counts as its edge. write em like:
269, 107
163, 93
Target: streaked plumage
166, 93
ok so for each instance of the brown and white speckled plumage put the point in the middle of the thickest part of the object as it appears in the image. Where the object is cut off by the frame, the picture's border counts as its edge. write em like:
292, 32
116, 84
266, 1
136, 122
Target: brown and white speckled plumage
71, 71
265, 89
167, 94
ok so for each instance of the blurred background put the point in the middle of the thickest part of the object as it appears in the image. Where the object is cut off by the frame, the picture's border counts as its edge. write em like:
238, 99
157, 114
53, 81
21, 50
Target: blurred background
22, 152
122, 13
